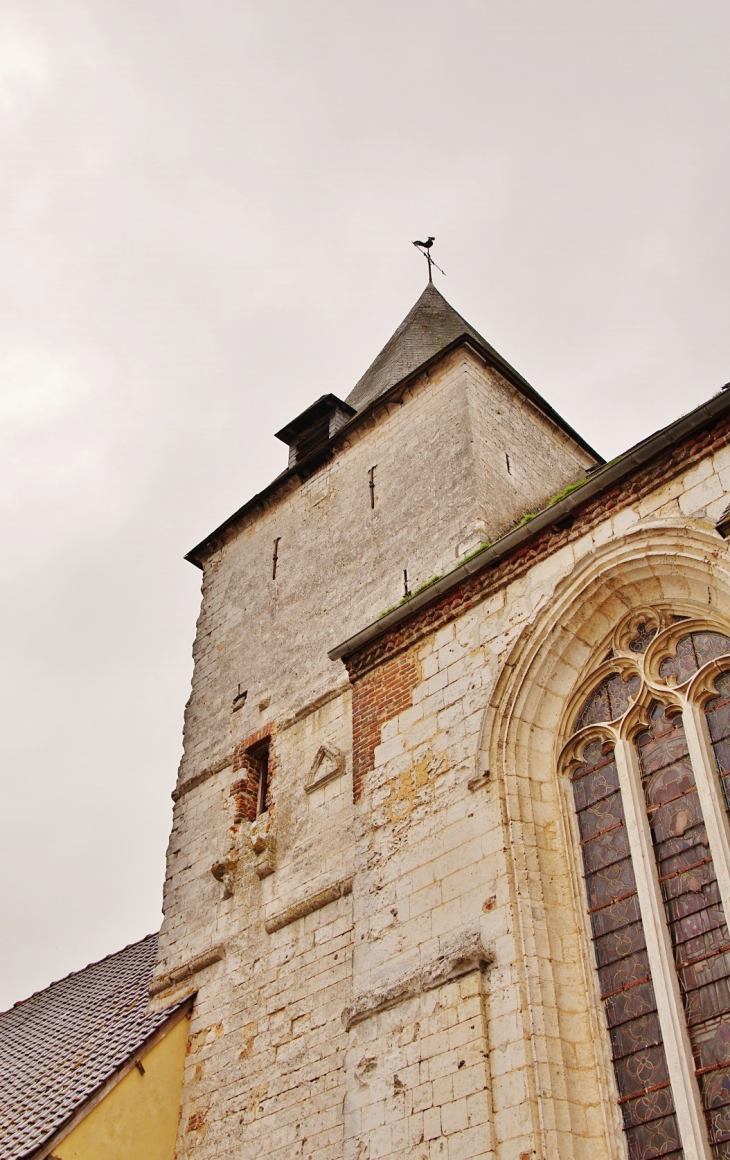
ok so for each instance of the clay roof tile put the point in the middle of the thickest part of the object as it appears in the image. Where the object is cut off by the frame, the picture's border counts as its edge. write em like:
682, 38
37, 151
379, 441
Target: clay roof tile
61, 1045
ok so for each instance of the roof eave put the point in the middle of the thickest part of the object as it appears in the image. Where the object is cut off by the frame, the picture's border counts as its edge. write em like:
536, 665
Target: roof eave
322, 406
46, 1147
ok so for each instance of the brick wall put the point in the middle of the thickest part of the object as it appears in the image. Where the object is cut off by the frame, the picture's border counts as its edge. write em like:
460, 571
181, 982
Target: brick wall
377, 698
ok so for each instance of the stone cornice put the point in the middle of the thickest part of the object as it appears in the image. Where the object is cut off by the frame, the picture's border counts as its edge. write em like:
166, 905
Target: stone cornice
163, 982
459, 955
308, 905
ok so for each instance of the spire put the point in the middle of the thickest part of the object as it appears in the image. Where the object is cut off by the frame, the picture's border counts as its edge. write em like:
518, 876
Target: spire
431, 325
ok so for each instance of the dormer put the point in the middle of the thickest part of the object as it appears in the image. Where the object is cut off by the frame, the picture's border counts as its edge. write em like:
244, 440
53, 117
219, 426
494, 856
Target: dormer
312, 430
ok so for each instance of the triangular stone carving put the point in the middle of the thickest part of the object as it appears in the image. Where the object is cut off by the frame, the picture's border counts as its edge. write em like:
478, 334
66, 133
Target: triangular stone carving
327, 765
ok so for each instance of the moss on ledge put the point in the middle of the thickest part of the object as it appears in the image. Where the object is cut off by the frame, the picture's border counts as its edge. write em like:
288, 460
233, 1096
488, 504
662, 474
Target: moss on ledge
525, 519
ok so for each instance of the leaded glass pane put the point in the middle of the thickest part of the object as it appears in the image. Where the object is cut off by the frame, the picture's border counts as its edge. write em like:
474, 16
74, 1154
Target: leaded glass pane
623, 969
642, 640
693, 652
693, 909
609, 701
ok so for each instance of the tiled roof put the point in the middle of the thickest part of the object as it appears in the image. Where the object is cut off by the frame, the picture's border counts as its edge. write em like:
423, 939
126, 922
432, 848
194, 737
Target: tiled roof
429, 327
62, 1044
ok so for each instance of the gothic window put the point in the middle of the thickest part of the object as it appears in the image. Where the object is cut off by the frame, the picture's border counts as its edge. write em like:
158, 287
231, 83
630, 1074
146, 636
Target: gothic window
649, 768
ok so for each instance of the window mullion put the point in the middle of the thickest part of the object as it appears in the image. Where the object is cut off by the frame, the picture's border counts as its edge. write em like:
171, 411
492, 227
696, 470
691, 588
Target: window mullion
710, 797
690, 1115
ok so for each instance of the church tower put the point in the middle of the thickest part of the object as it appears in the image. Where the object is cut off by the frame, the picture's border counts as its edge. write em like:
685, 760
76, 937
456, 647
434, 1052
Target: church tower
414, 885
439, 449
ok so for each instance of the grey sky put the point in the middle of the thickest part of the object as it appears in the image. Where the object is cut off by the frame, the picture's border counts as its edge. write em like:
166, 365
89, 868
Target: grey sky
206, 220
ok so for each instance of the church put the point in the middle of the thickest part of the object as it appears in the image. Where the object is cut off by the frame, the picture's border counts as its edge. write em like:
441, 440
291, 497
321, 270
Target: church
450, 856
451, 850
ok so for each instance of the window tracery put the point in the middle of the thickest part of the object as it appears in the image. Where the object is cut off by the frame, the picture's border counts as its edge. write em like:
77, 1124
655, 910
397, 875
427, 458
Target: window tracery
649, 768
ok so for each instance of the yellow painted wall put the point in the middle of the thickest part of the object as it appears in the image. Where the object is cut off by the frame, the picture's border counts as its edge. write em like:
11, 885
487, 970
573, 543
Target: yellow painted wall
139, 1117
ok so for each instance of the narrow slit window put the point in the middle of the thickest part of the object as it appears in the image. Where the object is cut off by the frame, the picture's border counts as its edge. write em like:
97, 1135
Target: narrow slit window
258, 762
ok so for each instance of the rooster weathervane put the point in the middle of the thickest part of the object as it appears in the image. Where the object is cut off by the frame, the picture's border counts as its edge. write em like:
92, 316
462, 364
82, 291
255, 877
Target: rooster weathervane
425, 249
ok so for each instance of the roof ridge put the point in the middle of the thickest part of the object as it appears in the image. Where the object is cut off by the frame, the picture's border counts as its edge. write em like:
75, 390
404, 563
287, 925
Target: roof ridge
80, 971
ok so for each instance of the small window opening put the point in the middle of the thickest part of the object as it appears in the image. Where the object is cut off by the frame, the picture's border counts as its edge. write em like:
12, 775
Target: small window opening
406, 589
258, 771
371, 485
275, 557
509, 465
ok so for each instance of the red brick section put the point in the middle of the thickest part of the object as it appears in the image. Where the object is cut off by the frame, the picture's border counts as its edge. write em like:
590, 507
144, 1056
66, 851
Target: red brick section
371, 657
245, 790
379, 696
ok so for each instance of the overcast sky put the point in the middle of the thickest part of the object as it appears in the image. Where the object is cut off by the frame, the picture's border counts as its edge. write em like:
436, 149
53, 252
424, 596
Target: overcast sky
206, 217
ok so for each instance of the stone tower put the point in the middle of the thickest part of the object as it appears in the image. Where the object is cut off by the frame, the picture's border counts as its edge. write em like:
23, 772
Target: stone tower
440, 448
374, 885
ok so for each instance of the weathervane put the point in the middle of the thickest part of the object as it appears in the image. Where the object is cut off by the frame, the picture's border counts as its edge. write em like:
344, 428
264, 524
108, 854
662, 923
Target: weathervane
425, 249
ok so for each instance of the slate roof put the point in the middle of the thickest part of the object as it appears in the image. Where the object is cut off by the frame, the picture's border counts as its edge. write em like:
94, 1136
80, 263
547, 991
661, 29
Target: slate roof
62, 1044
430, 326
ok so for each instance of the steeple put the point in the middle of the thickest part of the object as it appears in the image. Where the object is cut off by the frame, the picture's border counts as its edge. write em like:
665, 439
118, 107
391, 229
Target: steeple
429, 328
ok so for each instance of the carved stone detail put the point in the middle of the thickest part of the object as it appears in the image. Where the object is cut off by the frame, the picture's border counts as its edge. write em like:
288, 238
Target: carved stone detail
263, 843
308, 905
328, 764
225, 872
461, 954
265, 864
161, 982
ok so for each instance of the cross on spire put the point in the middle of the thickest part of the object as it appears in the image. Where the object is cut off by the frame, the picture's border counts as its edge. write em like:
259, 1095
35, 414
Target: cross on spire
425, 249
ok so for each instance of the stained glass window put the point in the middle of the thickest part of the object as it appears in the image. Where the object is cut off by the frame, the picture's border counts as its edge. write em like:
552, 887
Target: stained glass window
627, 992
652, 1057
693, 652
609, 701
693, 910
718, 722
642, 640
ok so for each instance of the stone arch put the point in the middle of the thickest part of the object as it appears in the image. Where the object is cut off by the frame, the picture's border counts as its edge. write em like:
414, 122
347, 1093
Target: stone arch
526, 725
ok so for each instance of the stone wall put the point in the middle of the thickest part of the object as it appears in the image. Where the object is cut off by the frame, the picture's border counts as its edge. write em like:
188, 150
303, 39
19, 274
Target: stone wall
408, 974
340, 563
515, 472
261, 647
463, 824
